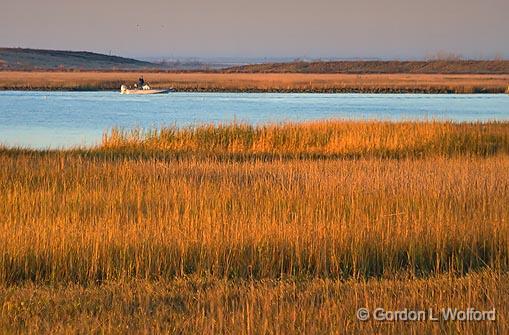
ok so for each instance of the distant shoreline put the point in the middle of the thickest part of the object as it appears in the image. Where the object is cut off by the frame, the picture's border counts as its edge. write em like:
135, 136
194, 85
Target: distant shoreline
291, 91
257, 82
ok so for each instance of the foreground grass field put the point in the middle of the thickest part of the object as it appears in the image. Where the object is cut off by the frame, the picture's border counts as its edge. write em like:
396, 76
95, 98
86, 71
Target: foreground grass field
211, 306
274, 229
260, 82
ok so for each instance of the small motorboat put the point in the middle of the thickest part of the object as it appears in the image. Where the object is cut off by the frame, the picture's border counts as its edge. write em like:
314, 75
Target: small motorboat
144, 90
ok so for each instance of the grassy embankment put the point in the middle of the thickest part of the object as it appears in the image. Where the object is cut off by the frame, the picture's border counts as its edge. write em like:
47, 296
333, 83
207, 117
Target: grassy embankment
261, 82
282, 229
438, 66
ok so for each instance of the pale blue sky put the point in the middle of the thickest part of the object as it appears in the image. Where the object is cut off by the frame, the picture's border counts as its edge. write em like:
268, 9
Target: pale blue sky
263, 28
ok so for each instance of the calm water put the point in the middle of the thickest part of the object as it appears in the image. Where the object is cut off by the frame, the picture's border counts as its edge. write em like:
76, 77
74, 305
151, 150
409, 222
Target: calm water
63, 119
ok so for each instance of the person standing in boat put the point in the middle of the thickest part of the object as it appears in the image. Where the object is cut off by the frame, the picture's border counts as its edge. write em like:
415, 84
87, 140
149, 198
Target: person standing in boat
141, 82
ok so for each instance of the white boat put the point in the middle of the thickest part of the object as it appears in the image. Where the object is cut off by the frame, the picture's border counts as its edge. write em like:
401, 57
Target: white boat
144, 90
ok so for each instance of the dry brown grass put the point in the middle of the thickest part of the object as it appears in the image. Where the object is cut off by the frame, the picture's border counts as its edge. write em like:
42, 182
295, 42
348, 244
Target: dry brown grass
74, 220
211, 306
321, 139
110, 238
275, 82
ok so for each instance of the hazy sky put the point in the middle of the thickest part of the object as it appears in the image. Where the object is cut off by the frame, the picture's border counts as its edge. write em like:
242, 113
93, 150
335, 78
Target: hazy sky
277, 28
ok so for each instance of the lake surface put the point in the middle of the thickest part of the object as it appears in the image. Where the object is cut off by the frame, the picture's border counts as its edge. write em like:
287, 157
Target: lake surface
65, 119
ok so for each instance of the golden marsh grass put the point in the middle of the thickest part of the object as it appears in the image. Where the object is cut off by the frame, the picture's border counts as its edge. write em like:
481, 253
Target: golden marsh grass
322, 139
208, 306
85, 221
271, 229
259, 82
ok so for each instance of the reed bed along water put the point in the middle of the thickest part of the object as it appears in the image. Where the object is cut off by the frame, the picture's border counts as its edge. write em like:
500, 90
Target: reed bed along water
340, 139
235, 226
260, 82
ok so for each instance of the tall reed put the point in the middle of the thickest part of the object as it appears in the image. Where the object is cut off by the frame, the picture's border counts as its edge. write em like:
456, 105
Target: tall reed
69, 219
348, 139
271, 229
